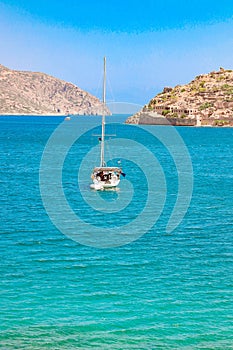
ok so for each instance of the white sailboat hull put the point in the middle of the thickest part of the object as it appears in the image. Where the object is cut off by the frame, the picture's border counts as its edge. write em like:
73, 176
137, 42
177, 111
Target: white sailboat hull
100, 185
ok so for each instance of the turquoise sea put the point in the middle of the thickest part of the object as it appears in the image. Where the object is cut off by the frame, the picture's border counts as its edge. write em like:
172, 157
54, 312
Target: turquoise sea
162, 291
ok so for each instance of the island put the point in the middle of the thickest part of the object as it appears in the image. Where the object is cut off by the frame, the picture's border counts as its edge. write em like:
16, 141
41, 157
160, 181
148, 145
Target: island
205, 101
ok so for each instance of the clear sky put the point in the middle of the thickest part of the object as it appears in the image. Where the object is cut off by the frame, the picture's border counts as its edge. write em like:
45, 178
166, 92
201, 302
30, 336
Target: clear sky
149, 44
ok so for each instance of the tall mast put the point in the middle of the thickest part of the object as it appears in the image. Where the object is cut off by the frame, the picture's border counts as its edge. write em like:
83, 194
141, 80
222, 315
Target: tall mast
102, 162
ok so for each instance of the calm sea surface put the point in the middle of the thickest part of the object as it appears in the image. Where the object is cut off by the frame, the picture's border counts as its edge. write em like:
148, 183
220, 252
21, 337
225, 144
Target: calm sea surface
162, 291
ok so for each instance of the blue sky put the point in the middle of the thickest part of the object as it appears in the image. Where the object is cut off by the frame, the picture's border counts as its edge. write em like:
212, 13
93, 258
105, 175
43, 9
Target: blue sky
148, 44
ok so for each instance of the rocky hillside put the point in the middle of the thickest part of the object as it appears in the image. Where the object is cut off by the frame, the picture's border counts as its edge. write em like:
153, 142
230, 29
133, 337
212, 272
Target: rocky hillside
40, 94
206, 100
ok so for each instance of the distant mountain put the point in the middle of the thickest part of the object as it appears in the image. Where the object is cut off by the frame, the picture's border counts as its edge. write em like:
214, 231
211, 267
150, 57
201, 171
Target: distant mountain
206, 100
33, 93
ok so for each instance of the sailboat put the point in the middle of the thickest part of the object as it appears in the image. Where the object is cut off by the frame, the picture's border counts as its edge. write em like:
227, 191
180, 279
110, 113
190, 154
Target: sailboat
105, 177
